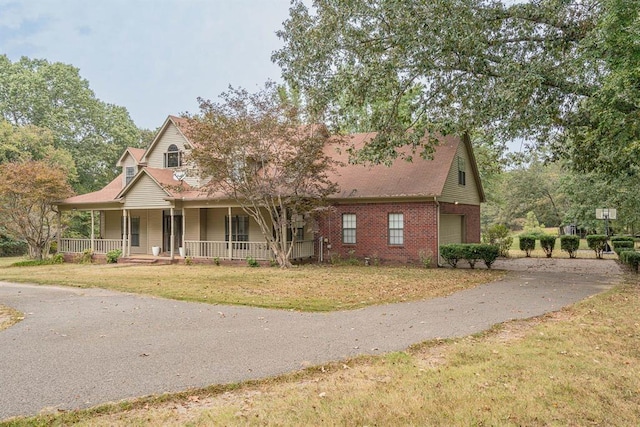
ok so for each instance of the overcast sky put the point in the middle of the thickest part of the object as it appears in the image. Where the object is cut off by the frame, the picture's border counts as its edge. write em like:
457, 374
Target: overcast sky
153, 57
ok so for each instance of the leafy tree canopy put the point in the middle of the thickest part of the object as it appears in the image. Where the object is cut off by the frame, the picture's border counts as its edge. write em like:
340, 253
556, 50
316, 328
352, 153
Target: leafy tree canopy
54, 96
27, 191
563, 72
254, 149
24, 143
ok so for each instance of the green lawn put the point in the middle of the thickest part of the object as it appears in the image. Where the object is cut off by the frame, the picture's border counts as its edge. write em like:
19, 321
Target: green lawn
305, 288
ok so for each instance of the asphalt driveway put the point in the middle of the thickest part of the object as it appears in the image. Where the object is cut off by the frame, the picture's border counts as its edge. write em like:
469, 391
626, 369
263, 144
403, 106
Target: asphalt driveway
78, 348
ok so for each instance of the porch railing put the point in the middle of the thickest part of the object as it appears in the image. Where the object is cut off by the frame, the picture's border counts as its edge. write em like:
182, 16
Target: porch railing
242, 250
197, 249
100, 246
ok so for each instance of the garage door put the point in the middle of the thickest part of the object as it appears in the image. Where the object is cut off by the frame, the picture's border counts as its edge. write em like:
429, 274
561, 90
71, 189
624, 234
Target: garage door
451, 229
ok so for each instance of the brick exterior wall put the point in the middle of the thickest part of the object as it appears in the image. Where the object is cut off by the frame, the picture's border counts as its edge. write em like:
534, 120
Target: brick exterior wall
372, 232
471, 219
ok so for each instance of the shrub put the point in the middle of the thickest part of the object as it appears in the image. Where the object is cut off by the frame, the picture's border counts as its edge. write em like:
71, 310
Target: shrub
251, 262
470, 254
488, 253
188, 261
112, 256
622, 245
86, 257
10, 247
597, 242
451, 253
548, 244
570, 244
498, 234
426, 258
216, 261
622, 239
527, 243
57, 259
630, 258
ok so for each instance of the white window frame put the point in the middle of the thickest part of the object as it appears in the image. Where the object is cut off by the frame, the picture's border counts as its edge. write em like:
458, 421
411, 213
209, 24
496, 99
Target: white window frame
349, 228
396, 228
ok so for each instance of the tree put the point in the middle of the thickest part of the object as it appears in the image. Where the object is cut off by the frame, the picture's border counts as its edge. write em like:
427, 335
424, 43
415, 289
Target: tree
23, 143
27, 191
254, 150
54, 96
562, 72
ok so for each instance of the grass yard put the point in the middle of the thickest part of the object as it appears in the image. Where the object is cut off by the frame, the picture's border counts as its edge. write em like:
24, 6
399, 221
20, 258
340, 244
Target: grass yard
305, 288
579, 366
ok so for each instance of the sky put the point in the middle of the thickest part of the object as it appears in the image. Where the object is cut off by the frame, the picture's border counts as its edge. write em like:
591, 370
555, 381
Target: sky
153, 57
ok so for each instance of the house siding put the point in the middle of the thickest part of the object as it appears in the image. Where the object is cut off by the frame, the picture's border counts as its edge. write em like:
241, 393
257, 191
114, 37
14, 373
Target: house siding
145, 193
112, 225
142, 247
192, 224
154, 230
372, 235
171, 135
454, 192
128, 162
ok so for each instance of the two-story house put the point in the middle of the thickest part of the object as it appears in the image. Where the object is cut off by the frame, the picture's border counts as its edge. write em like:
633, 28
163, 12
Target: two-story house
397, 213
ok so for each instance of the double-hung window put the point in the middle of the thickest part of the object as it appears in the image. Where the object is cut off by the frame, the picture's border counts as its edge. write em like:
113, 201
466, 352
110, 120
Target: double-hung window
130, 173
396, 229
349, 228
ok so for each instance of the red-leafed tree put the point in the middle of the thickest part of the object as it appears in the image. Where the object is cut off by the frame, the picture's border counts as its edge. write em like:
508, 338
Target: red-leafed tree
254, 149
27, 191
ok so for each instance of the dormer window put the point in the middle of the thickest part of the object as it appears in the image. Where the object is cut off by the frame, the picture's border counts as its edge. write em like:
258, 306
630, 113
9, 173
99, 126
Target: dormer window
130, 172
173, 157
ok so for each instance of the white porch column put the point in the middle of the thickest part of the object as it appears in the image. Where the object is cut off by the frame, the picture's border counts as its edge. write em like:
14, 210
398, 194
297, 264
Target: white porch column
93, 233
230, 233
184, 230
172, 238
124, 233
129, 234
283, 230
59, 234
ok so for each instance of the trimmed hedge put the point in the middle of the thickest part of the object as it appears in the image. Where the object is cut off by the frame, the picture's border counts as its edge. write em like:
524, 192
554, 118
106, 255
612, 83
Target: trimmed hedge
630, 258
548, 244
570, 244
527, 243
597, 242
622, 245
622, 239
471, 252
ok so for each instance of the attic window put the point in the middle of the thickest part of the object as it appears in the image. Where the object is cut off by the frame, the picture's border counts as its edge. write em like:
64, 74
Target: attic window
462, 174
172, 158
130, 173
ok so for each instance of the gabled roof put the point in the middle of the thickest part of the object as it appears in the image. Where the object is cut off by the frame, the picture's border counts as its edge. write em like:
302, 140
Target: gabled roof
106, 195
180, 123
136, 153
163, 178
418, 178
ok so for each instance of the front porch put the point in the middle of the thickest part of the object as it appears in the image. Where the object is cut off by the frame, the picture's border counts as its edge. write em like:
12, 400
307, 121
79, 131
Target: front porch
223, 250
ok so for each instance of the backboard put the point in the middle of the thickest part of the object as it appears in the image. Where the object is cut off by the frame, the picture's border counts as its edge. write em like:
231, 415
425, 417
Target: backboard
606, 213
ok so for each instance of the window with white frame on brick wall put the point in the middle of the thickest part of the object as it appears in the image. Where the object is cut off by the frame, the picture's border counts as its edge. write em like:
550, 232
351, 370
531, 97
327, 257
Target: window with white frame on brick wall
349, 228
396, 229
